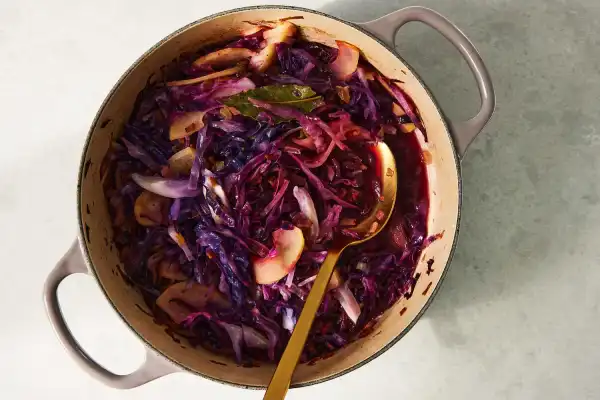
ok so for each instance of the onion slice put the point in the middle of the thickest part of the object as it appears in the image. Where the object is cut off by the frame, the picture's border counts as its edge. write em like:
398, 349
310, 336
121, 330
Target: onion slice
307, 207
348, 302
172, 188
254, 339
236, 335
289, 322
393, 89
180, 241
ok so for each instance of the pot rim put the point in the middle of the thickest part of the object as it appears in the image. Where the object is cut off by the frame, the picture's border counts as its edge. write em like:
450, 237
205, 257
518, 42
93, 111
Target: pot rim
136, 63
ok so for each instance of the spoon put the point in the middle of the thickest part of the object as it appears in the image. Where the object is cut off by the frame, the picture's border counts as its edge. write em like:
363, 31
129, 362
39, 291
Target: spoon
366, 229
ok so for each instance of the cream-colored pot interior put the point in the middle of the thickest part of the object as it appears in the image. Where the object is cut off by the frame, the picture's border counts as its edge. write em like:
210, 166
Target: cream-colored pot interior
96, 224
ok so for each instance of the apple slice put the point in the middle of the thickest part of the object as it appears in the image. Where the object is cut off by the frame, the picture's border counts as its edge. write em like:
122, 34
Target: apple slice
171, 270
219, 74
150, 209
288, 246
408, 127
224, 57
268, 270
263, 60
194, 297
397, 110
252, 30
186, 125
182, 161
335, 281
346, 61
283, 32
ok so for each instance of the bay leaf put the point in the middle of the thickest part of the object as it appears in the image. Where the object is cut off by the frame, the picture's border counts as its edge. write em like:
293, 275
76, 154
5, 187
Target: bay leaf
297, 96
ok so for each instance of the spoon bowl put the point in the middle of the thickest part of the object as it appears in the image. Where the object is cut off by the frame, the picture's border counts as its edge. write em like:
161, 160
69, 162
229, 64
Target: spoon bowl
363, 231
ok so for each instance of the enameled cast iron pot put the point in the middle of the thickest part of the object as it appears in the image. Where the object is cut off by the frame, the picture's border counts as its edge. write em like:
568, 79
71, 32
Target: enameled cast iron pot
94, 254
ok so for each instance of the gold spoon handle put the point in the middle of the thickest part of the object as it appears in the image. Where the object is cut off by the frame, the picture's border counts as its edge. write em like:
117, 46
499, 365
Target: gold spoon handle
280, 382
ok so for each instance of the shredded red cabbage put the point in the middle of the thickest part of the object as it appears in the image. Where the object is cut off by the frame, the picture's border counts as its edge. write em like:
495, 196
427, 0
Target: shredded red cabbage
294, 162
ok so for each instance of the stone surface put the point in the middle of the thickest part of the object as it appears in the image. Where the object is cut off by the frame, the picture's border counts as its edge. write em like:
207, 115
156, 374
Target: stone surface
517, 317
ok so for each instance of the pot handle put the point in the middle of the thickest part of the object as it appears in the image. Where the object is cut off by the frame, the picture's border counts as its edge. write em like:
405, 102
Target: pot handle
386, 27
153, 367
